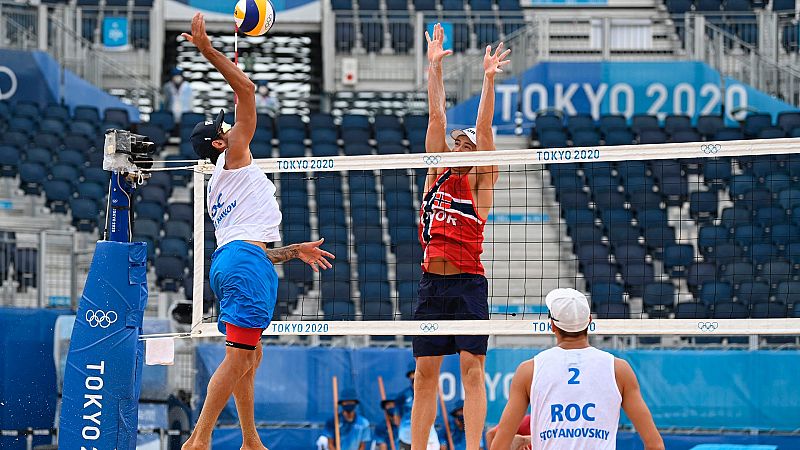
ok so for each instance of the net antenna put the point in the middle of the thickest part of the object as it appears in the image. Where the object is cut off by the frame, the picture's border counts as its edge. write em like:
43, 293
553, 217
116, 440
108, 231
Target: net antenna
531, 319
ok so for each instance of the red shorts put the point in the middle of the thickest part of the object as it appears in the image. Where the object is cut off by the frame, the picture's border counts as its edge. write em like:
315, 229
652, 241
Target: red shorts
244, 338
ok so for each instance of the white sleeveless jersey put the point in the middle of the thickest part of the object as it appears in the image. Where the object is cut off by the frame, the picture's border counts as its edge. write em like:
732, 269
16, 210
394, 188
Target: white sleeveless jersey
575, 400
242, 205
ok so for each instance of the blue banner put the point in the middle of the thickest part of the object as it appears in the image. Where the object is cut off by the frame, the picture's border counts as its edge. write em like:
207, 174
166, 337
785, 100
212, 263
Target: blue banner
37, 77
626, 88
104, 365
115, 33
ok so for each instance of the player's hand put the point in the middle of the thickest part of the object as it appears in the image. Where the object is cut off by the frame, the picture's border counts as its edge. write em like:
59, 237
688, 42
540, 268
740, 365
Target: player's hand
521, 443
198, 37
435, 51
493, 63
311, 254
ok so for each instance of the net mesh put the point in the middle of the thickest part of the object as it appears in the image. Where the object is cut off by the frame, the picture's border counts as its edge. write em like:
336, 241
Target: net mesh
674, 238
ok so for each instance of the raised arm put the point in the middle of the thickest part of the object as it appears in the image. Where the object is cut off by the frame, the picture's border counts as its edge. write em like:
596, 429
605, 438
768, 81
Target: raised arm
492, 64
241, 134
435, 139
635, 407
308, 252
518, 401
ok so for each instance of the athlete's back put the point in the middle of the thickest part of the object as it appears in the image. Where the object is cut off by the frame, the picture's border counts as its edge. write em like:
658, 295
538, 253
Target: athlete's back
575, 400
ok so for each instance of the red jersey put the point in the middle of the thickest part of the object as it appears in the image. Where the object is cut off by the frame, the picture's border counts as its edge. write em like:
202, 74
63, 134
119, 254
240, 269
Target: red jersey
450, 226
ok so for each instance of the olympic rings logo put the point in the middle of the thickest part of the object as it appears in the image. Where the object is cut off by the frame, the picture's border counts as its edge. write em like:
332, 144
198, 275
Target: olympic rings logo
710, 149
708, 326
432, 160
100, 318
429, 327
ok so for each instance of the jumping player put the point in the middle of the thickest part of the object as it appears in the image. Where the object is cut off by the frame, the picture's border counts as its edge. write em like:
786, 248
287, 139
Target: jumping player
242, 205
455, 205
574, 390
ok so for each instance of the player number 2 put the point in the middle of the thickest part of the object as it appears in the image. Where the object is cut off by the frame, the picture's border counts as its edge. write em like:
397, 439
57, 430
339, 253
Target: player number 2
575, 373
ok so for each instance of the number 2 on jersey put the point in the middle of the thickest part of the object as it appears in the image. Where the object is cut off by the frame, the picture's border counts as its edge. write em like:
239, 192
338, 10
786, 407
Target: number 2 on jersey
575, 373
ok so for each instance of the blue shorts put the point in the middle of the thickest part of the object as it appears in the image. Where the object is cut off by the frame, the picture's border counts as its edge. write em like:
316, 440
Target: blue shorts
246, 284
451, 297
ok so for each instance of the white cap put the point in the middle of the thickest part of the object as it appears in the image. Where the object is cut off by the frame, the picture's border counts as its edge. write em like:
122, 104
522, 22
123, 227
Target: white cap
569, 309
470, 133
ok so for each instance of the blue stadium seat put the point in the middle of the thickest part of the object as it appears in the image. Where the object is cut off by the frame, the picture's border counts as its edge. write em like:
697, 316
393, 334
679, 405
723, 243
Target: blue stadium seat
85, 214
612, 311
651, 218
261, 150
84, 129
292, 150
345, 34
28, 110
553, 138
733, 216
685, 136
630, 169
642, 122
608, 199
746, 235
57, 194
752, 292
723, 254
658, 299
754, 198
148, 228
157, 135
607, 293
772, 310
579, 216
39, 156
754, 123
48, 141
355, 135
784, 234
163, 119
117, 115
657, 236
771, 133
730, 311
325, 149
14, 139
691, 310
586, 138
323, 136
72, 158
580, 122
369, 234
624, 235
788, 292
703, 206
715, 292
630, 253
153, 193
301, 274
487, 32
291, 135
170, 272
608, 123
338, 310
573, 198
770, 216
636, 276
775, 272
728, 134
22, 125
675, 123
738, 272
373, 309
592, 253
710, 236
762, 253
397, 5
677, 257
178, 229
777, 182
716, 173
57, 112
616, 217
388, 136
788, 120
342, 5
708, 5
741, 184
9, 161
666, 169
619, 137
708, 126
372, 271
699, 273
372, 34
599, 273
547, 122
149, 210
31, 177
789, 198
175, 248
52, 126
738, 5
95, 175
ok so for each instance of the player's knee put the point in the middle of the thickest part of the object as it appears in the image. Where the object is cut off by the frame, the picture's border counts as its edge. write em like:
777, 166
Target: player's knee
472, 369
241, 360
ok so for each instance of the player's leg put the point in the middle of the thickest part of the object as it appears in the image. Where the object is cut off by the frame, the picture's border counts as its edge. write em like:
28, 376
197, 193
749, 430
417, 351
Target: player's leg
472, 375
244, 394
474, 305
423, 412
235, 365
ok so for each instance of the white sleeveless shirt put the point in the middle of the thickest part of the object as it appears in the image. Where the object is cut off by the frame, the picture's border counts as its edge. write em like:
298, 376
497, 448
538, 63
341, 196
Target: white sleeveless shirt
242, 205
575, 400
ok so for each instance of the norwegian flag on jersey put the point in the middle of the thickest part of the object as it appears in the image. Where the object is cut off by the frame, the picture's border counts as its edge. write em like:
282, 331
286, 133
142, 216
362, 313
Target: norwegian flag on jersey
442, 200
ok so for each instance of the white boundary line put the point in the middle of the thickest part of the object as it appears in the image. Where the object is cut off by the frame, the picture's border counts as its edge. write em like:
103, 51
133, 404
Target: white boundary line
603, 327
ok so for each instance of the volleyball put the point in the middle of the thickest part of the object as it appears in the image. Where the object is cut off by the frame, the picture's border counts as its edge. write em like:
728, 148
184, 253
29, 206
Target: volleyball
254, 17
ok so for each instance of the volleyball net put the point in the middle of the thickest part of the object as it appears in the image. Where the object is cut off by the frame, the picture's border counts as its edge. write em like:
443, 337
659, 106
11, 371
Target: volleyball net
668, 239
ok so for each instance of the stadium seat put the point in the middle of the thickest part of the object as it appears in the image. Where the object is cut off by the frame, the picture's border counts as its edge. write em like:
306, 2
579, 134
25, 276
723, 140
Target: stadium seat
619, 137
675, 123
708, 5
373, 309
761, 253
677, 257
607, 293
775, 272
631, 253
656, 237
9, 161
738, 272
685, 136
117, 115
52, 126
715, 292
50, 142
338, 310
174, 247
755, 198
57, 195
658, 299
771, 310
619, 236
641, 122
553, 138
26, 109
612, 311
746, 235
599, 273
26, 263
345, 34
754, 123
752, 292
592, 253
636, 277
703, 206
85, 214
632, 169
699, 273
728, 134
163, 119
342, 5
730, 311
771, 133
652, 136
788, 292
708, 126
170, 272
31, 177
691, 310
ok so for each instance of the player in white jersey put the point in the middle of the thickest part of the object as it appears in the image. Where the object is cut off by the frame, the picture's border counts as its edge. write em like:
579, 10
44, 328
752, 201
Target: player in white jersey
242, 205
575, 391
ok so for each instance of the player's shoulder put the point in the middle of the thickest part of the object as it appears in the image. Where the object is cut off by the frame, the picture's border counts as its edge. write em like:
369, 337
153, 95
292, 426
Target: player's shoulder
525, 368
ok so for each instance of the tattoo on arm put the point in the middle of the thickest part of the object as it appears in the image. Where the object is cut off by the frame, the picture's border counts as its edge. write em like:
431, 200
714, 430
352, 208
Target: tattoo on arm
282, 254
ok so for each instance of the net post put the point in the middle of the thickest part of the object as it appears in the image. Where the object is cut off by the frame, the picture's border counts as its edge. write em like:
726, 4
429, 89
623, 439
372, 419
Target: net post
198, 186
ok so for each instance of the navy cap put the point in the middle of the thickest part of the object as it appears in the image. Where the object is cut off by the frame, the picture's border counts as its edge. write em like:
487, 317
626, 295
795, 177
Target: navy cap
204, 133
348, 395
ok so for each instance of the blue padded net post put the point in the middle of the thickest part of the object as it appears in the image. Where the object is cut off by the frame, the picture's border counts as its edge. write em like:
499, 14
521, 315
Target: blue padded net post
102, 379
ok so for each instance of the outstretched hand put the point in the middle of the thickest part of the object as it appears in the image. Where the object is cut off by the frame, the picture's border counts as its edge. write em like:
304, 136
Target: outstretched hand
436, 52
198, 37
311, 254
493, 63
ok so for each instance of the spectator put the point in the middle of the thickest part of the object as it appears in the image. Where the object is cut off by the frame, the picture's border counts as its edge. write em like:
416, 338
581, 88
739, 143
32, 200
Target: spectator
381, 432
178, 95
354, 430
404, 403
457, 429
266, 102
